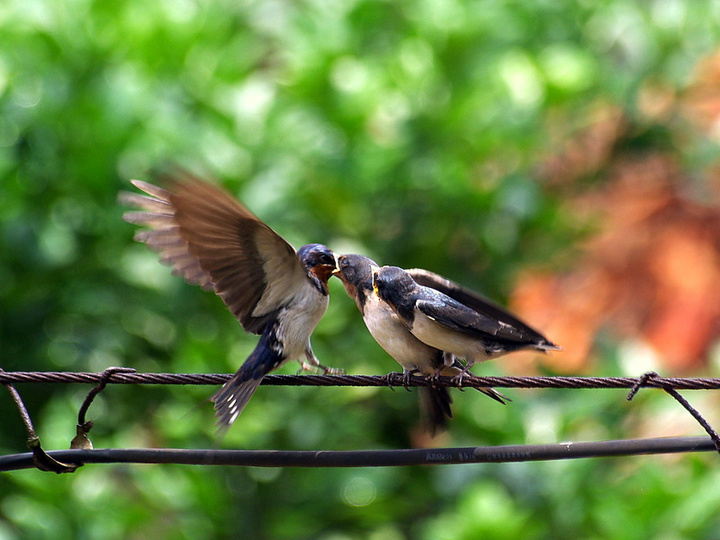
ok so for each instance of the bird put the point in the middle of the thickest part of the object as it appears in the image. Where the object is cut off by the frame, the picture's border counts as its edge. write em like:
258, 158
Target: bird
414, 356
456, 320
209, 238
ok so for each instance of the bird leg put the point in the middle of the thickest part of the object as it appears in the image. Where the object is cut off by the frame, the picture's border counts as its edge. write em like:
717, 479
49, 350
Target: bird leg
435, 377
313, 364
331, 370
389, 379
316, 368
305, 367
407, 374
458, 379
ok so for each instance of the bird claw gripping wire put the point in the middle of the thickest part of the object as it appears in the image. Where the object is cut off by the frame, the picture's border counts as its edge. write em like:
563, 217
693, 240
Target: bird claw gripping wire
652, 376
391, 379
81, 440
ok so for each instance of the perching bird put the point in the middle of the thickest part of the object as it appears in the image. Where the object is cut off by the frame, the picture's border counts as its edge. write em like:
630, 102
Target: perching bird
415, 357
460, 322
212, 240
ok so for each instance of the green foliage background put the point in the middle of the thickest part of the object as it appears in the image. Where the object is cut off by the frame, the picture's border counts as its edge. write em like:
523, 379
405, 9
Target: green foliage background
408, 131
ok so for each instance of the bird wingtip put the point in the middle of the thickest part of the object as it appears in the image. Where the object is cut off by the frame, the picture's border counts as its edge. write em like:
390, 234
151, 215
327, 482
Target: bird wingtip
547, 346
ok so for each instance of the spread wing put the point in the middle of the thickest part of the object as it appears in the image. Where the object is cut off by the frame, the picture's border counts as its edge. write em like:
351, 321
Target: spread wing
484, 308
212, 240
164, 235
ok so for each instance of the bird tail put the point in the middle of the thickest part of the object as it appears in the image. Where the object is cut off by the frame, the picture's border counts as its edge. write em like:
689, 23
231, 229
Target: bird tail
497, 396
231, 399
435, 409
545, 346
453, 367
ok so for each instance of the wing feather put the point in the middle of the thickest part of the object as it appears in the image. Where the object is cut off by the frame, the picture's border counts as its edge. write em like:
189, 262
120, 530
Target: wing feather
484, 307
211, 239
457, 316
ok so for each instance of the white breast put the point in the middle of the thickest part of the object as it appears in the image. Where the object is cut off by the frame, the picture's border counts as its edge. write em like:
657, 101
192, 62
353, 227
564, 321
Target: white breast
441, 337
392, 335
298, 321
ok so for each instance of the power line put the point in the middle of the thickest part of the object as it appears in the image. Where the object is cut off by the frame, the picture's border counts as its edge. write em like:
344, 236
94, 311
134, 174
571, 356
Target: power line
392, 380
372, 458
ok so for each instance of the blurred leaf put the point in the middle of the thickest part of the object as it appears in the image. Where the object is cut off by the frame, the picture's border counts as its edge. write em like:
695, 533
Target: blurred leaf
455, 136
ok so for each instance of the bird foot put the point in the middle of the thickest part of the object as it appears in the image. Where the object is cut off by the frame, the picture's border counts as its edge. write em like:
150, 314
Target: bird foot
390, 379
331, 370
458, 379
406, 379
318, 368
434, 378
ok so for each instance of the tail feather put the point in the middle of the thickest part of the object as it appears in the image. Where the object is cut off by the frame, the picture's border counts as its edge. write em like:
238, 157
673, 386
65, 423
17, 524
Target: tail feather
497, 396
453, 368
435, 409
546, 346
231, 399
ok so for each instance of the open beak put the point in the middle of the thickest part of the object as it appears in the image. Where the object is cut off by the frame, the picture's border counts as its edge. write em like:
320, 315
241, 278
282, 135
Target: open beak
323, 271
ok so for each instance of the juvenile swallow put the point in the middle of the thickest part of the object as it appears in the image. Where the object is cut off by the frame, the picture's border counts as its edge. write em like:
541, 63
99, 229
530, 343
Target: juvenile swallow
456, 321
386, 327
212, 240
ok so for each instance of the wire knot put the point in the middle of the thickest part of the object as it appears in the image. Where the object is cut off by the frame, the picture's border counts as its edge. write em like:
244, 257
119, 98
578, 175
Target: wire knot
642, 381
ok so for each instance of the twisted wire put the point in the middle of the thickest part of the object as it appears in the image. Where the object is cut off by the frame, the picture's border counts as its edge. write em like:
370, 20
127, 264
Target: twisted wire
83, 452
392, 380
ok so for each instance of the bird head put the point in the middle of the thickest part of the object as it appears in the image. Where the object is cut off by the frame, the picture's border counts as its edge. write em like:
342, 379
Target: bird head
355, 272
318, 259
390, 281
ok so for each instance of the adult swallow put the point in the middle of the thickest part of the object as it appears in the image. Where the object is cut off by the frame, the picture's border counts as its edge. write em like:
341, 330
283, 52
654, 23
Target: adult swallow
457, 321
386, 327
212, 240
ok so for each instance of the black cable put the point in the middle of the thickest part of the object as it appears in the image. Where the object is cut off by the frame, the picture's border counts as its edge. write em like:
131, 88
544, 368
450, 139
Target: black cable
373, 458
